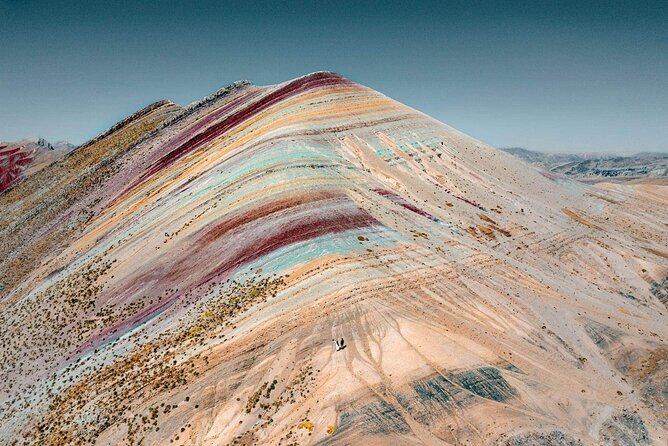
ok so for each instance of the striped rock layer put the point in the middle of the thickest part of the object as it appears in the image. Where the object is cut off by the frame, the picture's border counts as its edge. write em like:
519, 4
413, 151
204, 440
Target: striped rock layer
181, 278
20, 159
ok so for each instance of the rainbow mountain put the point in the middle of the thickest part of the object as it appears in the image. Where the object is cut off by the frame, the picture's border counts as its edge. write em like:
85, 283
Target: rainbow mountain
182, 279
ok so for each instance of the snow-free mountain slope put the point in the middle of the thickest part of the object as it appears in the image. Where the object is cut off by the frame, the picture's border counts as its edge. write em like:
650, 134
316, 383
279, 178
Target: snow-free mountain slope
23, 158
191, 292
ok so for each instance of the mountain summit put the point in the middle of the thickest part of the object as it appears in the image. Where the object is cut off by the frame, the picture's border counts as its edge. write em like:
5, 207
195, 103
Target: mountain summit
180, 279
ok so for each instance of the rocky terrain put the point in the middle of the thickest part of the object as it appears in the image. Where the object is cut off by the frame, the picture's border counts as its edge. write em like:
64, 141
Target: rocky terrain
20, 159
594, 167
181, 279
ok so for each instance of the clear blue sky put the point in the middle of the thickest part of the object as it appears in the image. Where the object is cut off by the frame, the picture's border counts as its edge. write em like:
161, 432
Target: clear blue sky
556, 76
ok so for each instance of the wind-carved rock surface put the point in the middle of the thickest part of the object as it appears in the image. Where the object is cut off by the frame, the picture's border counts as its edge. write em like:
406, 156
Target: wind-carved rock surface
181, 278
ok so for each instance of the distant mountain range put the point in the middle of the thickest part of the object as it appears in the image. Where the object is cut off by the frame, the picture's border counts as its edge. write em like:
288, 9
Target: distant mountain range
592, 166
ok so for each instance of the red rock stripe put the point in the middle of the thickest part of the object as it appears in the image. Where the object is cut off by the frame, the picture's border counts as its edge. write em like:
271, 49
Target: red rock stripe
401, 201
294, 232
265, 210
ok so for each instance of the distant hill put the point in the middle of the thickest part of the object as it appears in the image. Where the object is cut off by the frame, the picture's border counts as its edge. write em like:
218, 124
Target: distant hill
588, 166
20, 159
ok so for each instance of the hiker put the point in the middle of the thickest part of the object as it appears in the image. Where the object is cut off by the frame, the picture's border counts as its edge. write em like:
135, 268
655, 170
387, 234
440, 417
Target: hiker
340, 345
